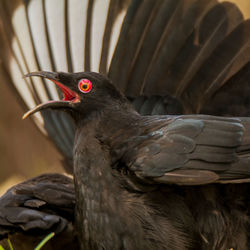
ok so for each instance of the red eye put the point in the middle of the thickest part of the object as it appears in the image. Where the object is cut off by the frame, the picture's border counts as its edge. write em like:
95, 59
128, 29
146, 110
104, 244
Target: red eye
85, 85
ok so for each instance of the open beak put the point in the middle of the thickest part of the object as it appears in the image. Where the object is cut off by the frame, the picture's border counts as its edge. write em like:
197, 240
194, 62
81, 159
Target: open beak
70, 97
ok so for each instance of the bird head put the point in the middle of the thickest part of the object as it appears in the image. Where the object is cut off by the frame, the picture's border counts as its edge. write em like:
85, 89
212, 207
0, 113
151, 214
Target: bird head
84, 92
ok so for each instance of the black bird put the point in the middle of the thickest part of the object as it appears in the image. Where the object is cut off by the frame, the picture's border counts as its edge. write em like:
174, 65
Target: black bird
171, 57
125, 162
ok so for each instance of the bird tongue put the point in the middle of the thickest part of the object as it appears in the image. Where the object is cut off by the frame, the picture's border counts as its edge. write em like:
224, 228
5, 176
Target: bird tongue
69, 97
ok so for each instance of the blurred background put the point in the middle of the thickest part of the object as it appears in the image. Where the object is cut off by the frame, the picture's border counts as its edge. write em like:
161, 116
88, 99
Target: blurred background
24, 151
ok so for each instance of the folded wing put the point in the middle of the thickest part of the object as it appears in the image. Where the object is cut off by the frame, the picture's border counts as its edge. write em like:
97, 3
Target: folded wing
193, 150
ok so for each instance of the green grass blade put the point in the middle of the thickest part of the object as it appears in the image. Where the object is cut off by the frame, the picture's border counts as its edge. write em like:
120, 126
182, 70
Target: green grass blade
44, 241
10, 245
1, 248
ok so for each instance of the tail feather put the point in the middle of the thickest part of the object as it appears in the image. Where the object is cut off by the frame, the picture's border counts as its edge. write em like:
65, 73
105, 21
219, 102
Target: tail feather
232, 99
226, 61
160, 27
171, 47
214, 27
135, 26
32, 91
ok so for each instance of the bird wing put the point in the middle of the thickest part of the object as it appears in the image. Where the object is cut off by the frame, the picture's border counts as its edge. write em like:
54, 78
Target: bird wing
168, 57
44, 204
192, 150
186, 59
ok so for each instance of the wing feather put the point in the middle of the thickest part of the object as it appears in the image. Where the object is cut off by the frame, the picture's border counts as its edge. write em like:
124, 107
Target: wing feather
193, 151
